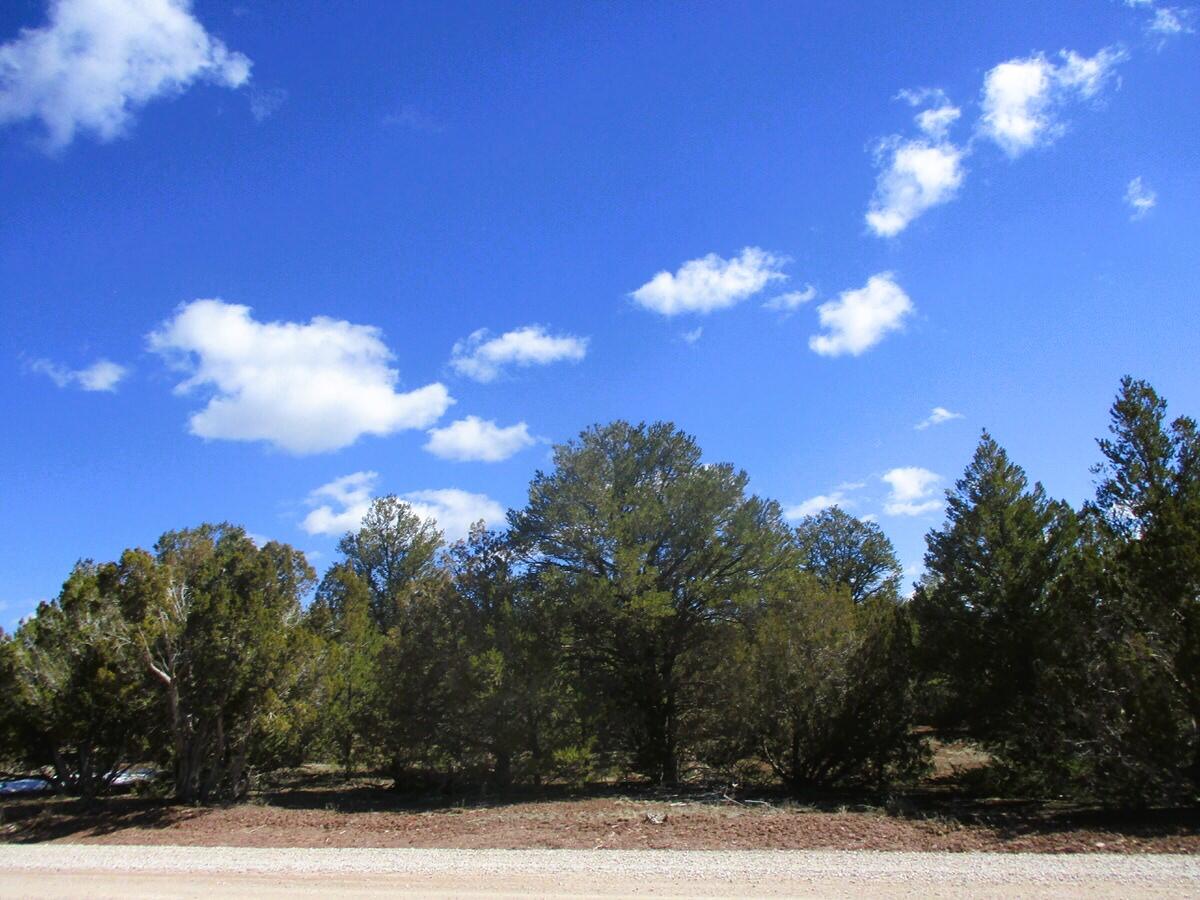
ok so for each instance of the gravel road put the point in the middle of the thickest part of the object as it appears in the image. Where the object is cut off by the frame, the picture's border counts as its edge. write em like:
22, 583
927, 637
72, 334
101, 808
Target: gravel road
67, 870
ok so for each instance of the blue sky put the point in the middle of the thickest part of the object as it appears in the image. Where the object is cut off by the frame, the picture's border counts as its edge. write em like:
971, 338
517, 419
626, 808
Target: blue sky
261, 262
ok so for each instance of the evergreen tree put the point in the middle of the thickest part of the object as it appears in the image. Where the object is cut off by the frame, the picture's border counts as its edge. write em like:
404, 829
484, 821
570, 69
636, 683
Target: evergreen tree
843, 550
78, 708
512, 696
651, 548
983, 604
211, 615
1133, 723
392, 551
821, 688
350, 689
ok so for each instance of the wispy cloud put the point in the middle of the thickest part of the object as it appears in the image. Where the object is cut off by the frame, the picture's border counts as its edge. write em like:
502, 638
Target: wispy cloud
792, 300
484, 358
102, 375
413, 119
265, 102
814, 505
1140, 198
937, 416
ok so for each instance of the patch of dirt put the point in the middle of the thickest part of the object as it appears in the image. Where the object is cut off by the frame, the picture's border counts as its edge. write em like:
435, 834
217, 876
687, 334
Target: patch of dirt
362, 814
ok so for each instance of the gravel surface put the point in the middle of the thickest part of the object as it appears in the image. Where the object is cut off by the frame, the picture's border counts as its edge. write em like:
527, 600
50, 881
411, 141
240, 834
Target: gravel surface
963, 869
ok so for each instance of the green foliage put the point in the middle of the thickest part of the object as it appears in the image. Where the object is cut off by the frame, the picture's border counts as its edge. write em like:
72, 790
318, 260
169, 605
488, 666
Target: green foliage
842, 550
74, 690
392, 551
213, 617
646, 613
820, 689
983, 605
348, 645
1129, 672
417, 663
510, 694
651, 549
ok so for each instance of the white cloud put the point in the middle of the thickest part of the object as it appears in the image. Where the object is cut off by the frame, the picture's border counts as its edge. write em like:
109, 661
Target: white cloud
792, 300
484, 359
303, 387
1022, 97
350, 494
911, 487
1140, 197
1166, 21
97, 61
102, 375
455, 511
916, 175
936, 122
690, 337
937, 416
1169, 20
265, 102
342, 503
925, 96
859, 319
710, 283
476, 439
814, 505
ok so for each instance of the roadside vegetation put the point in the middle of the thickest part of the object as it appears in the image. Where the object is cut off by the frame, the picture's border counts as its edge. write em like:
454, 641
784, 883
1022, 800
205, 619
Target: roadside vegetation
644, 617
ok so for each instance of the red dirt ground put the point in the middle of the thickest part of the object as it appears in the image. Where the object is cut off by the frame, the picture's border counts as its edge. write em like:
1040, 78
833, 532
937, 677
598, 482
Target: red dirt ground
366, 815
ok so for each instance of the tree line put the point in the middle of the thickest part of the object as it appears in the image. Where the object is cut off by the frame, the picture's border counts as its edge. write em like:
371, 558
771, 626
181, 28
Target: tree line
645, 614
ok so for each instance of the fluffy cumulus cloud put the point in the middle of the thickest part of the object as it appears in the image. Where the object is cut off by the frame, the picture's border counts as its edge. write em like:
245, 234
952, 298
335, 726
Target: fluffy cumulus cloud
1022, 98
340, 506
936, 122
792, 300
911, 491
484, 358
914, 176
937, 416
1021, 106
102, 375
710, 283
455, 511
305, 387
858, 320
97, 61
480, 440
1140, 198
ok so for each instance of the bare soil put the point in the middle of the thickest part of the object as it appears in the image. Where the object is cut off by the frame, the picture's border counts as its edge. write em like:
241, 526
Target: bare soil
321, 811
